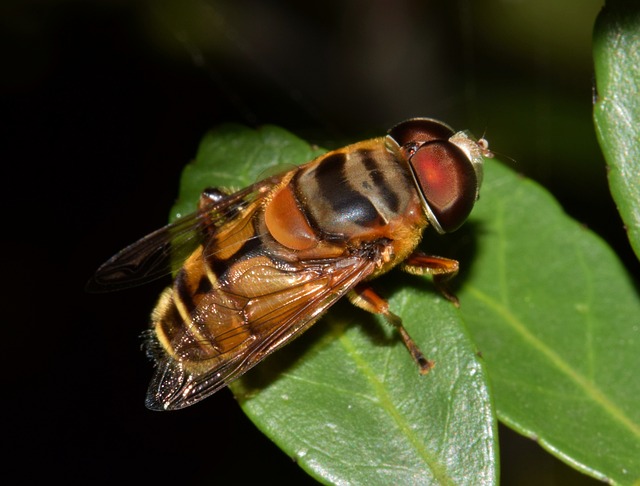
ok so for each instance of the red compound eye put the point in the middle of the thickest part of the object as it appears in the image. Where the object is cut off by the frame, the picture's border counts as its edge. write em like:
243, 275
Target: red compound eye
448, 181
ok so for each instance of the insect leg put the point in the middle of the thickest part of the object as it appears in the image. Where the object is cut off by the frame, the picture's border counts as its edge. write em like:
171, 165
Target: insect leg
209, 198
366, 298
442, 270
211, 195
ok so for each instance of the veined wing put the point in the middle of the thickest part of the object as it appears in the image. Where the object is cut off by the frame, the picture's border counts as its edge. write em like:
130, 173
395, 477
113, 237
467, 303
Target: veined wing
238, 325
164, 250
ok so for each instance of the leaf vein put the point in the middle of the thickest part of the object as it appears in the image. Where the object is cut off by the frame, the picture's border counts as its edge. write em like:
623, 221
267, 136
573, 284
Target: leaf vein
384, 399
589, 388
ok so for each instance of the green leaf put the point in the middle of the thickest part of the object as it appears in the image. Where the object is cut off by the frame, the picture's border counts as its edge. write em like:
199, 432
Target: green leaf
349, 405
345, 400
557, 319
617, 111
233, 156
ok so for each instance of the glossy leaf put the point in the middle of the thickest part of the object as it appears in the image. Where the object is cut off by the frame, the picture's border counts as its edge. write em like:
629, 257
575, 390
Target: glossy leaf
233, 156
557, 319
345, 400
617, 111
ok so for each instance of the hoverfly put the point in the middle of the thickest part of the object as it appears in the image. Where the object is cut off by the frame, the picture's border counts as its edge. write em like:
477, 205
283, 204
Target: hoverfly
257, 267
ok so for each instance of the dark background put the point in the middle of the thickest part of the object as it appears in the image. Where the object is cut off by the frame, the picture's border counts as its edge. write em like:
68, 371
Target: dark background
104, 102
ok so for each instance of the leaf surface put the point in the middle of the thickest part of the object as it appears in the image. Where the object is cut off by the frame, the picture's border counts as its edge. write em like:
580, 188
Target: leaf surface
617, 110
557, 318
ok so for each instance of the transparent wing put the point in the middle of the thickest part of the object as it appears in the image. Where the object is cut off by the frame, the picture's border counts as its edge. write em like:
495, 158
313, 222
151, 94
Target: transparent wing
164, 250
249, 325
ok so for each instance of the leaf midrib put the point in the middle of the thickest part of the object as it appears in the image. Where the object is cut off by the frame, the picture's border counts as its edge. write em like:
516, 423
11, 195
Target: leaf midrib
386, 403
589, 388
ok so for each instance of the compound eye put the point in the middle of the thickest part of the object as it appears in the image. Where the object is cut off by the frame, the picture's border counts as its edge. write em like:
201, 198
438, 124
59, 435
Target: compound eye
448, 182
419, 130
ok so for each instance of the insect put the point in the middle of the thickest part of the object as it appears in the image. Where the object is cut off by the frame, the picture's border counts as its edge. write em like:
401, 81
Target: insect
255, 268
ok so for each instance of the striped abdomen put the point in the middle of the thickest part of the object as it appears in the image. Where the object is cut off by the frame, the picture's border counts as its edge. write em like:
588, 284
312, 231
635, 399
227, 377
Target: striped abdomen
355, 208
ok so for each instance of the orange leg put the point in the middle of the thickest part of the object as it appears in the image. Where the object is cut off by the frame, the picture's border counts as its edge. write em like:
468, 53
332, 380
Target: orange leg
366, 298
442, 270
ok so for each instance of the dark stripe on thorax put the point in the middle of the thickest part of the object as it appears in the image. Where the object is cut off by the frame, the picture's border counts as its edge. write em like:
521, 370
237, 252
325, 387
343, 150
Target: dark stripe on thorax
334, 187
376, 174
